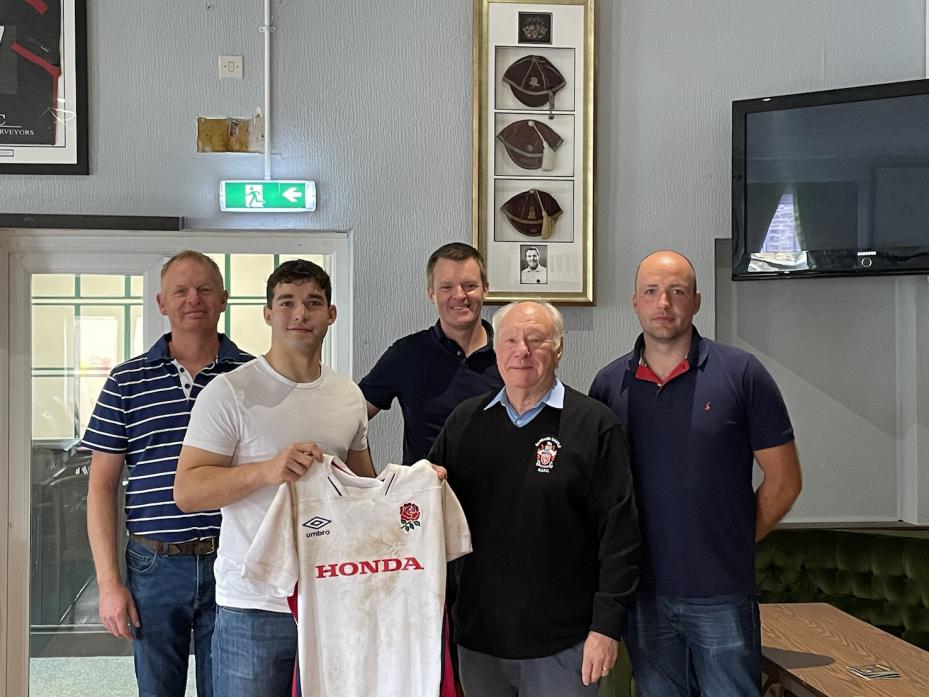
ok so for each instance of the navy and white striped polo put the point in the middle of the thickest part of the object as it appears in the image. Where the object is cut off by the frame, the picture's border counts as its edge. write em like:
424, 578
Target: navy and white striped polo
143, 411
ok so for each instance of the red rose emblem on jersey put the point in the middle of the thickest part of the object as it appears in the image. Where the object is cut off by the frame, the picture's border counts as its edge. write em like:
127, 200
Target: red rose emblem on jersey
409, 516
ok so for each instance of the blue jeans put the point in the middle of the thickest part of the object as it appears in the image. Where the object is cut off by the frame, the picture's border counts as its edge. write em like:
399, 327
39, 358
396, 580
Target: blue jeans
174, 597
683, 647
253, 652
558, 675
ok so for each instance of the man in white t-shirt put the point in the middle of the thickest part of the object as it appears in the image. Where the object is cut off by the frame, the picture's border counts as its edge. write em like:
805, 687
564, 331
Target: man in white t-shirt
382, 543
258, 426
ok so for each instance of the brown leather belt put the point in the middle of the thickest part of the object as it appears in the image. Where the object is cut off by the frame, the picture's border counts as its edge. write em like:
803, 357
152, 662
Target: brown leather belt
207, 545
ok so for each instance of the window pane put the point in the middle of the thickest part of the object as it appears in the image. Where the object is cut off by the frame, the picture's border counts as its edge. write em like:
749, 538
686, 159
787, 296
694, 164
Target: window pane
52, 336
248, 329
135, 286
101, 343
56, 285
249, 274
318, 259
103, 286
53, 408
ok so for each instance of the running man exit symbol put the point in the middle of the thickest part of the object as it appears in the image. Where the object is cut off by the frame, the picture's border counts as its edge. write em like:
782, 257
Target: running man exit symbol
253, 197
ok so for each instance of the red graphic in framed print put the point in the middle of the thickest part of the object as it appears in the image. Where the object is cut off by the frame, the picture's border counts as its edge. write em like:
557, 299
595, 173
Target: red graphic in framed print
43, 87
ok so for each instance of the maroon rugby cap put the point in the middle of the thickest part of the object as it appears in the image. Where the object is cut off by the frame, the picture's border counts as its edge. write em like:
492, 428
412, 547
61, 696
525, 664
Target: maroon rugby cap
533, 213
534, 81
530, 144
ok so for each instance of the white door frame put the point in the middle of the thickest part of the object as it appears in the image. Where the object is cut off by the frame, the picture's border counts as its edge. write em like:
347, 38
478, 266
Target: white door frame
23, 252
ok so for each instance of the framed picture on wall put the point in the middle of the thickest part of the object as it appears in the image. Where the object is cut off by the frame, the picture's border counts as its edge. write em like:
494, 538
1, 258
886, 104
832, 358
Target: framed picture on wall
532, 148
43, 87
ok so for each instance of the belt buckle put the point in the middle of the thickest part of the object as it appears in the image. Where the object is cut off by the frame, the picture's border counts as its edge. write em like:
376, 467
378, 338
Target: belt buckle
211, 546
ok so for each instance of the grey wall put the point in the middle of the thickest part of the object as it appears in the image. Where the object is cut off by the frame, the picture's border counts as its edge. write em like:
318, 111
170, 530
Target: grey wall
373, 100
849, 355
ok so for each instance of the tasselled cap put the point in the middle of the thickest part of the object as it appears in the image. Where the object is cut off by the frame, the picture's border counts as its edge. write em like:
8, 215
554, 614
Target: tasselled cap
534, 81
533, 213
530, 144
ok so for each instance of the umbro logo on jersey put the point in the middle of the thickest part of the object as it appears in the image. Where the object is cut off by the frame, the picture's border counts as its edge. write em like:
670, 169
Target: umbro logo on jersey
316, 524
361, 568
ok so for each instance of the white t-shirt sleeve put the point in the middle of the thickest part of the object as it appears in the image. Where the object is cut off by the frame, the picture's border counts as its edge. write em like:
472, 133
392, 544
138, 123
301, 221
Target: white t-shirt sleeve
457, 533
272, 557
214, 420
360, 442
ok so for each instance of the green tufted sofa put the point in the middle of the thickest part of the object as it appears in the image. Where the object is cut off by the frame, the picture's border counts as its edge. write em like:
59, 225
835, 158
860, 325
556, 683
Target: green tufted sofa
881, 577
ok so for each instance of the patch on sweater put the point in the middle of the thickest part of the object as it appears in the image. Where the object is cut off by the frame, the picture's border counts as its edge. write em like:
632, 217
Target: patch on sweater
546, 450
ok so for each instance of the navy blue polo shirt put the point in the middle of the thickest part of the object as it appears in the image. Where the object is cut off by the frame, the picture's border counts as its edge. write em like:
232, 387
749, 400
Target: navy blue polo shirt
429, 376
692, 440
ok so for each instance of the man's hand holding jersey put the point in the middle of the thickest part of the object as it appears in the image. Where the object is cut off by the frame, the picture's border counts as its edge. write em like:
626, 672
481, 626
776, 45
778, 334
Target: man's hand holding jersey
291, 464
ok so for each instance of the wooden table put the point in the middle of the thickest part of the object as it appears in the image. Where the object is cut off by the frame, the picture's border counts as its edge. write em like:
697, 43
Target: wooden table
807, 648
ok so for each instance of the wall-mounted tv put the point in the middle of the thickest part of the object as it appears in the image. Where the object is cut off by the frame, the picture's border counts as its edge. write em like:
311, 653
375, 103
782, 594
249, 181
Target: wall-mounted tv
832, 183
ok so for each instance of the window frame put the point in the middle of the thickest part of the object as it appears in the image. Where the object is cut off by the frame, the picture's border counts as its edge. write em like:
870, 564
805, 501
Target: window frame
27, 251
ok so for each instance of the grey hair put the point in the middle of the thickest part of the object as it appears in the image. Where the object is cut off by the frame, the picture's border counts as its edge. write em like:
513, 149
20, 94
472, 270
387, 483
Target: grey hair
553, 312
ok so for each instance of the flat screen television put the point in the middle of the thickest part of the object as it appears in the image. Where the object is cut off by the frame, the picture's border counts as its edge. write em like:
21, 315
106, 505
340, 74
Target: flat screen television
832, 183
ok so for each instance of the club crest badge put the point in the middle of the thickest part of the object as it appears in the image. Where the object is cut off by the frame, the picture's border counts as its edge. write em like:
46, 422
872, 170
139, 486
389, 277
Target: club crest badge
546, 450
409, 517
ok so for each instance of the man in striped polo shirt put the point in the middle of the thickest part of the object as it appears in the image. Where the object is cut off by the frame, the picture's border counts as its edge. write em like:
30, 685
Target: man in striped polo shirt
140, 421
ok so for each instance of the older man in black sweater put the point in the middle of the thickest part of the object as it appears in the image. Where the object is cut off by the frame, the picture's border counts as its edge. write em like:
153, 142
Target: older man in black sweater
543, 474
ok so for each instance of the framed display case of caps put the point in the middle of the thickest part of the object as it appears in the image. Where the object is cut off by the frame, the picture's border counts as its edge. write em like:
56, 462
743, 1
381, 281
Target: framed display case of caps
533, 145
43, 87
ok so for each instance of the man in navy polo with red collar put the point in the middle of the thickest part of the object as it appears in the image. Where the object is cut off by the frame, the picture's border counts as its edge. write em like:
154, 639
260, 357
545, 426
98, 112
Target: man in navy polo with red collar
432, 371
697, 414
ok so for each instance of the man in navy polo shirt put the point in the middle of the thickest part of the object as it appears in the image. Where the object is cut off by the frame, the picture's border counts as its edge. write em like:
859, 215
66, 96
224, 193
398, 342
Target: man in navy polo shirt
139, 421
432, 371
698, 415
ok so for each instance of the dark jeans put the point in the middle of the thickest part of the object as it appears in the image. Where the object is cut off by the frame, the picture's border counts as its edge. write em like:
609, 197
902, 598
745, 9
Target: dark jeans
174, 597
558, 675
682, 647
253, 653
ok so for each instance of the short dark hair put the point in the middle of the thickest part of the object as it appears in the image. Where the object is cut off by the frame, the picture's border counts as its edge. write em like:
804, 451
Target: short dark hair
299, 271
455, 251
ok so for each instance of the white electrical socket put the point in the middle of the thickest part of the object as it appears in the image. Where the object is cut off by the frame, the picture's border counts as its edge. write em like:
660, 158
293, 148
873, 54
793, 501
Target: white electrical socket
230, 66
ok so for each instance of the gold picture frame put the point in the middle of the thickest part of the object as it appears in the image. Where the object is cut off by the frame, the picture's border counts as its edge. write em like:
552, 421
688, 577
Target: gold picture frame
533, 148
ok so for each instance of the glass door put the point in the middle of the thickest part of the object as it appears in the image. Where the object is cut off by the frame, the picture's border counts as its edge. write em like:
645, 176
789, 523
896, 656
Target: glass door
73, 317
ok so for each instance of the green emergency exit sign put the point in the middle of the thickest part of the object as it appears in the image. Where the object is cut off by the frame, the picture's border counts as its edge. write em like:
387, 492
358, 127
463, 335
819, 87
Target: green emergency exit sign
265, 196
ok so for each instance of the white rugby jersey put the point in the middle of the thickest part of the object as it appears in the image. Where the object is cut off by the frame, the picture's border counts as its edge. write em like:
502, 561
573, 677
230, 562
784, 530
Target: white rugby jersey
369, 556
